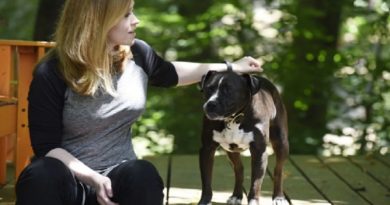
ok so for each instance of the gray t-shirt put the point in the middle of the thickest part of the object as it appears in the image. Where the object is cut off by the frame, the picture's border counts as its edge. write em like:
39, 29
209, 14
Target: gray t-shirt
96, 130
100, 125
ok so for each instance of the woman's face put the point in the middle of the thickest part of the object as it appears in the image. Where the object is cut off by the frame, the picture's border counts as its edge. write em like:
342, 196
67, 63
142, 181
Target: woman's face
123, 33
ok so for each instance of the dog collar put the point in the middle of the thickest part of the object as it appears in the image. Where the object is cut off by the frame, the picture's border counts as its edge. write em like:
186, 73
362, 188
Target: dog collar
236, 118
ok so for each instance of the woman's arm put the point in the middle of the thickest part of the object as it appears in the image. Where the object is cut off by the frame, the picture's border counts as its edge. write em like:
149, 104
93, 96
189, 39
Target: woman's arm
189, 73
101, 183
166, 74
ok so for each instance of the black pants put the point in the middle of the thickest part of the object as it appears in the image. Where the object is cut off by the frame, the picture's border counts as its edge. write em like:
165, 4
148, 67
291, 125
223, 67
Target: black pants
47, 181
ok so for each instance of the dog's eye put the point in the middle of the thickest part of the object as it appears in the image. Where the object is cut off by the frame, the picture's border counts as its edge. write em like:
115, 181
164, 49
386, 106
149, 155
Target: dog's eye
210, 87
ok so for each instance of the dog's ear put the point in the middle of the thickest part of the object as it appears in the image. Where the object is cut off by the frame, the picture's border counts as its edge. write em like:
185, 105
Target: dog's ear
204, 79
253, 83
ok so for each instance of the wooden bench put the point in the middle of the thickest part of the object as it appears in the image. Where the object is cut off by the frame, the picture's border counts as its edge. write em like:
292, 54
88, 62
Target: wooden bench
18, 59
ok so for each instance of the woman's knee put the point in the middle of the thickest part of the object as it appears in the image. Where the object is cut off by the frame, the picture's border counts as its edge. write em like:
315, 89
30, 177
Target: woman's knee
137, 181
140, 172
146, 170
44, 171
46, 181
144, 167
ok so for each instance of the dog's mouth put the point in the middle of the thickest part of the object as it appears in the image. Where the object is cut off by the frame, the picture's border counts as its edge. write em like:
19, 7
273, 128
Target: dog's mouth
214, 112
214, 116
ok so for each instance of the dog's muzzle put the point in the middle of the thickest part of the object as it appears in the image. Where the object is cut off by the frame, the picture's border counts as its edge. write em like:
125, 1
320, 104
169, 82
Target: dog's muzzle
210, 108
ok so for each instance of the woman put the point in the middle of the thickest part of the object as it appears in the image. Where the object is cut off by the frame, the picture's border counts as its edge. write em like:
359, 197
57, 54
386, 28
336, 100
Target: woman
84, 96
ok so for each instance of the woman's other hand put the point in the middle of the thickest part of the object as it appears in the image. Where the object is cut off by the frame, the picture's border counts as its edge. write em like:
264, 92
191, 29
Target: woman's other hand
102, 185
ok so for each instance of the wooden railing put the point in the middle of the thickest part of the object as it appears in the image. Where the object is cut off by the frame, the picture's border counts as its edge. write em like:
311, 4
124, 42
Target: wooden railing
17, 61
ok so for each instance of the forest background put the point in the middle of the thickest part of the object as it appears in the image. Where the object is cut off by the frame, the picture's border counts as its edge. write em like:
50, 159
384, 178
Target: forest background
329, 58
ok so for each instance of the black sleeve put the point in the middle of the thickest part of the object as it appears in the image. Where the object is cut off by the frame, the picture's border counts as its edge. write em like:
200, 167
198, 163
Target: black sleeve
161, 73
45, 106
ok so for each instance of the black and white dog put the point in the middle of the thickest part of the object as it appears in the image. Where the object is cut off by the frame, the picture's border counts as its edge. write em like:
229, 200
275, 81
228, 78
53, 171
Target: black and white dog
241, 112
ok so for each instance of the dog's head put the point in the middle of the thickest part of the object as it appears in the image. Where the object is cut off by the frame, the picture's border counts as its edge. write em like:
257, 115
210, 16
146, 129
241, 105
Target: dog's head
226, 93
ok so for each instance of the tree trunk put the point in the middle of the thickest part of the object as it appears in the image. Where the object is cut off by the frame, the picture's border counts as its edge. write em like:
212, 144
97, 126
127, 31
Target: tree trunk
47, 16
307, 76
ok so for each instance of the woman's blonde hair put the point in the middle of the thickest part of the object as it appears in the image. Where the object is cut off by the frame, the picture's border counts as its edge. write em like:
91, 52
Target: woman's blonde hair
81, 43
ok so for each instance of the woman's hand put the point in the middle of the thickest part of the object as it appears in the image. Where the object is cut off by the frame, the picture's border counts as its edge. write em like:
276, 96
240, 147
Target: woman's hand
247, 64
102, 185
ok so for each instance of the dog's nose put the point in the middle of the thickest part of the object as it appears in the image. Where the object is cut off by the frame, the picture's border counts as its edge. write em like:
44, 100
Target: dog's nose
210, 106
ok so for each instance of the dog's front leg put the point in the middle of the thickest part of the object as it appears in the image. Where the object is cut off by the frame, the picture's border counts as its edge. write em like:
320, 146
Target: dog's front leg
238, 168
259, 159
206, 163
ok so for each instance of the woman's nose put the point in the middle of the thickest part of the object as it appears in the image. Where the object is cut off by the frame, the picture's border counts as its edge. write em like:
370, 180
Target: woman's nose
135, 20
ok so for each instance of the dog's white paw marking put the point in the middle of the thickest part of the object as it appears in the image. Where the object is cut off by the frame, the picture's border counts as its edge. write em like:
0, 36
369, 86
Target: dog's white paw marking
233, 201
205, 204
253, 202
280, 200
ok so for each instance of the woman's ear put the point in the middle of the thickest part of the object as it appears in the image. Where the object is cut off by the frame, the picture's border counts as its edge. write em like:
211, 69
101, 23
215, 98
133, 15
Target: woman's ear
205, 77
253, 83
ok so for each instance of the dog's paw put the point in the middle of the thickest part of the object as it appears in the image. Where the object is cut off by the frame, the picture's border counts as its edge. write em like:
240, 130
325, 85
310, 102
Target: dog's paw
280, 200
204, 202
233, 200
253, 202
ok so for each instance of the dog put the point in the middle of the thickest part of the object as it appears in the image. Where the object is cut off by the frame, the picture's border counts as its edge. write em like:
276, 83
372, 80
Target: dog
242, 112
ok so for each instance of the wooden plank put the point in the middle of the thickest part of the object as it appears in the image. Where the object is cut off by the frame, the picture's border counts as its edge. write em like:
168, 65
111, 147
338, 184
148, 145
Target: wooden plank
325, 180
41, 52
28, 57
7, 119
374, 168
186, 181
27, 43
7, 128
295, 183
385, 159
3, 160
5, 70
357, 180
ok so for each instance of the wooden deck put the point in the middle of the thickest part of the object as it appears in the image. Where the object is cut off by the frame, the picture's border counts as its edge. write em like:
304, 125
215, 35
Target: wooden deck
308, 180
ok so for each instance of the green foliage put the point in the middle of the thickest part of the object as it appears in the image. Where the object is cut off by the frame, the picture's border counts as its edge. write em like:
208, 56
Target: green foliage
175, 113
362, 82
17, 19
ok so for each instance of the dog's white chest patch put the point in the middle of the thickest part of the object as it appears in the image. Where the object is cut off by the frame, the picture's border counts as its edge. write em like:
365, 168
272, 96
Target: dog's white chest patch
232, 138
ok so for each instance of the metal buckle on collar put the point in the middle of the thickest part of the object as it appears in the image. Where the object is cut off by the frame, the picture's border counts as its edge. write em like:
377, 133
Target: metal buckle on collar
236, 118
